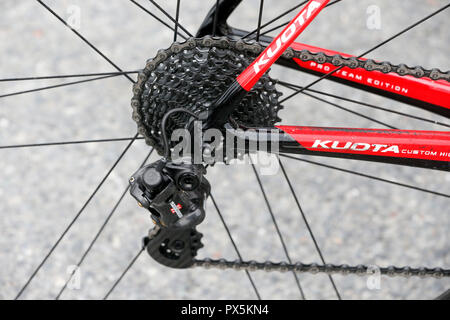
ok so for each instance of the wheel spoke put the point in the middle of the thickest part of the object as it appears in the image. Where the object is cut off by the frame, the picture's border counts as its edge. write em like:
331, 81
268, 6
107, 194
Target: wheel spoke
177, 17
83, 38
305, 220
156, 17
58, 85
346, 109
275, 19
277, 228
369, 51
170, 17
75, 218
261, 6
99, 232
234, 245
284, 23
82, 75
293, 87
45, 144
369, 176
129, 266
331, 3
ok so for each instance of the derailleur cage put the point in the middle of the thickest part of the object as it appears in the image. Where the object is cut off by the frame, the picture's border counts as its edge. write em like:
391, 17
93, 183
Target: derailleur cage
174, 248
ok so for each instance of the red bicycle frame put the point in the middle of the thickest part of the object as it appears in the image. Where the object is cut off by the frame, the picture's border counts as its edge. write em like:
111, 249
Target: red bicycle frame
432, 95
430, 149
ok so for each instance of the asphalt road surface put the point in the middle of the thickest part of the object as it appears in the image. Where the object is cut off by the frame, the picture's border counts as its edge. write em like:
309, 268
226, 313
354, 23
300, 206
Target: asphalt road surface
356, 220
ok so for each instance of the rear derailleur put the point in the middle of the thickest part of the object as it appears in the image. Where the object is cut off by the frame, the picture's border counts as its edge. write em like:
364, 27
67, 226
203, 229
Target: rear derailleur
175, 195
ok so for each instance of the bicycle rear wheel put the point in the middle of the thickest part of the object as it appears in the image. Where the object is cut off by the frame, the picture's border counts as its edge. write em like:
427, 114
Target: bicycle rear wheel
368, 222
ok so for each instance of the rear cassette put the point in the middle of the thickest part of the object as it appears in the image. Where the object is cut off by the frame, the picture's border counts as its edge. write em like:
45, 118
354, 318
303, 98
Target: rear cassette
192, 75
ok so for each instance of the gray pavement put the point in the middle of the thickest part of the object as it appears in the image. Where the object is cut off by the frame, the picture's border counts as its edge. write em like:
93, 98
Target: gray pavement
355, 220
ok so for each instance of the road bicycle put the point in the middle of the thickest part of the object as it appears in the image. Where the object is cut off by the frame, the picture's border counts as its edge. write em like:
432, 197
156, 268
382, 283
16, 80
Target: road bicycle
220, 76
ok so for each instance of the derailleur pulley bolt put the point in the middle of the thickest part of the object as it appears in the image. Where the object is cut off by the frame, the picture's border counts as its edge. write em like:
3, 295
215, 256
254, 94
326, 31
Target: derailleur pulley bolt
188, 181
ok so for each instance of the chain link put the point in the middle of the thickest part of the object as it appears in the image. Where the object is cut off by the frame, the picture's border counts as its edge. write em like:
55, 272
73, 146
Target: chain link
303, 55
314, 268
351, 62
321, 58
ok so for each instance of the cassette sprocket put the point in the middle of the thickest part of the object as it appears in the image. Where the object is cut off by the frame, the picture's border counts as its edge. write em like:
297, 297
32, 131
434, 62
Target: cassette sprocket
192, 75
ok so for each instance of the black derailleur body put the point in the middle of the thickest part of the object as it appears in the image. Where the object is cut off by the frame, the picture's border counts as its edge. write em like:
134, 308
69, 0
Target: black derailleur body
175, 195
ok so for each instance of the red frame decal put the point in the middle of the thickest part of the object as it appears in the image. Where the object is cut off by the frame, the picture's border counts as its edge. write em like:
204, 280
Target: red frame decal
248, 78
425, 145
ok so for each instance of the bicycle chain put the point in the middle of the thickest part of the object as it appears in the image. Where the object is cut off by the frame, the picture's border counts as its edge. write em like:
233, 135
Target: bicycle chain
303, 55
351, 62
315, 268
